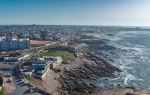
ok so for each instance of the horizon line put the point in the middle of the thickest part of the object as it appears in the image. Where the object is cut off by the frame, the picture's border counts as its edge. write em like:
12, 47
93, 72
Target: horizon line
79, 25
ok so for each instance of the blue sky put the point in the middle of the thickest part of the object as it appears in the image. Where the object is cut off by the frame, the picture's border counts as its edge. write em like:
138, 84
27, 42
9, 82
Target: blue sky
76, 12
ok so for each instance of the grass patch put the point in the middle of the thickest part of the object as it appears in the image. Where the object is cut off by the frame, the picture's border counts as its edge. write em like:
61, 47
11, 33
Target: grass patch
66, 55
36, 45
2, 92
32, 81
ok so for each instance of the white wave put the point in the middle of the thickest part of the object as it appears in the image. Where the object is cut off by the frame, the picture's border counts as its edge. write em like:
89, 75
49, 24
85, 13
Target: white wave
136, 57
128, 78
140, 50
134, 32
116, 38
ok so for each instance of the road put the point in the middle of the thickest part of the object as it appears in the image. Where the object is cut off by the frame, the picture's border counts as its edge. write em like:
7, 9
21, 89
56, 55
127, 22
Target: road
32, 50
13, 69
21, 87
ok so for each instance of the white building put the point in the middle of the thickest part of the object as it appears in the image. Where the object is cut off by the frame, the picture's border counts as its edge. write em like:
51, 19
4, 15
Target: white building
9, 44
55, 61
41, 66
16, 58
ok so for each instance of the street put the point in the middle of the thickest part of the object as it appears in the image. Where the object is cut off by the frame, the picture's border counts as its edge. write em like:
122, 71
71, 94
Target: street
20, 88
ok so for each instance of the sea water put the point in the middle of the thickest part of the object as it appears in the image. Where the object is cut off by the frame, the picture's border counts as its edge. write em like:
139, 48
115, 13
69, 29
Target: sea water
134, 61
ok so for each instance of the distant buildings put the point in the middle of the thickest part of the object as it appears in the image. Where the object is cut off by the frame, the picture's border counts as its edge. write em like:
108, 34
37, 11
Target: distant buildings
44, 35
10, 44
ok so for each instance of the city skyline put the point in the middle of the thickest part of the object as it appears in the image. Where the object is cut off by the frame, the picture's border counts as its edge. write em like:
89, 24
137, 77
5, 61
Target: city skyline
75, 12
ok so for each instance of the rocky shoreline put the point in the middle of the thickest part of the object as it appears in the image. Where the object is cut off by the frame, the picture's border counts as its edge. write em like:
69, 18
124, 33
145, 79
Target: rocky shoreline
74, 80
123, 91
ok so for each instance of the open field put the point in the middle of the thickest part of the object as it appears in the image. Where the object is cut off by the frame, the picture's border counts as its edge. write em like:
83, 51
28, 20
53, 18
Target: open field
38, 42
66, 55
36, 45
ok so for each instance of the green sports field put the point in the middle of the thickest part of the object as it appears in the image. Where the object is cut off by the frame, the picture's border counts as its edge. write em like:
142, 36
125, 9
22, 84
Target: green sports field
66, 55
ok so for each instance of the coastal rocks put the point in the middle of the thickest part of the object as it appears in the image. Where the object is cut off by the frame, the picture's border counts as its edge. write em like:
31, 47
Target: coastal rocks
78, 86
95, 64
74, 80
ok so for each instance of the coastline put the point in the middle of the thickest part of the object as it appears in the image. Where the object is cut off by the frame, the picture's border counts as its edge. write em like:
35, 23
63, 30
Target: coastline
123, 91
72, 77
89, 88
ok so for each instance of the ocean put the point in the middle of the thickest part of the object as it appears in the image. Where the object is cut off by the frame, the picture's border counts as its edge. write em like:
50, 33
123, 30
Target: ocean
133, 59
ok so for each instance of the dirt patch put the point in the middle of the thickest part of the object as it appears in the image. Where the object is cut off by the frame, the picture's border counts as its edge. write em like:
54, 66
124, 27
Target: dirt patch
123, 91
50, 84
37, 42
8, 85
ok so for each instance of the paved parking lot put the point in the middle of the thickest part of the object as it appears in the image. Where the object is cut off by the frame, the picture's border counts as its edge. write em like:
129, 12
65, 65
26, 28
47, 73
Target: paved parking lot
6, 67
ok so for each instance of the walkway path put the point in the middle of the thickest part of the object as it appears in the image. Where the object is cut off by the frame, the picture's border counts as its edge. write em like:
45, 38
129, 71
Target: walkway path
50, 83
